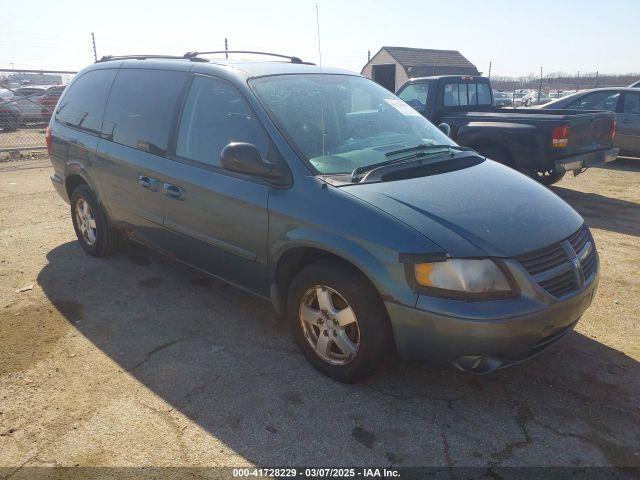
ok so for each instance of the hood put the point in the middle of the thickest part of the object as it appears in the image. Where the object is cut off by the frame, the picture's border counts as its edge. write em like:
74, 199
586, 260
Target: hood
487, 209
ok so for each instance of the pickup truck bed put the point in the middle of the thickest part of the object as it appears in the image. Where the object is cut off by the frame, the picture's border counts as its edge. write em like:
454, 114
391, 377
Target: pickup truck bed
541, 143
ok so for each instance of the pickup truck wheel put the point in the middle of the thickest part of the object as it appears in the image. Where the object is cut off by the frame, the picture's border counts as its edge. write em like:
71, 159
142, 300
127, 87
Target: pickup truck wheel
548, 177
338, 321
95, 234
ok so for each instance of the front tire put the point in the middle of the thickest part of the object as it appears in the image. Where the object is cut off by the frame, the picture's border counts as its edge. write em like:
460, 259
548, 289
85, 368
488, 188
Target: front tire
93, 229
338, 321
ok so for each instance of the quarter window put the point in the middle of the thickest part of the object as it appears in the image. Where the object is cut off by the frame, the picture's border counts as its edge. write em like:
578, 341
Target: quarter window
82, 105
214, 115
141, 108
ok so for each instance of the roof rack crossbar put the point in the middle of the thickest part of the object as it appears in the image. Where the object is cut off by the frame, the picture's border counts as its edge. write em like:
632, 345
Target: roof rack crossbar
107, 58
288, 57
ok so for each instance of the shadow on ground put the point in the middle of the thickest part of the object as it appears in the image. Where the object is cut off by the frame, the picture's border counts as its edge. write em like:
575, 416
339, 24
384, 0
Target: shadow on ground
627, 164
215, 354
600, 211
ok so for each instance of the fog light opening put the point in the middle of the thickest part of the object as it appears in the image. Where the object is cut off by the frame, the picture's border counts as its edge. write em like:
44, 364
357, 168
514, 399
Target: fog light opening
479, 364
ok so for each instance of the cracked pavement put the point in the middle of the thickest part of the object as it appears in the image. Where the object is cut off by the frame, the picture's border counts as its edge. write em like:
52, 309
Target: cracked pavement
137, 360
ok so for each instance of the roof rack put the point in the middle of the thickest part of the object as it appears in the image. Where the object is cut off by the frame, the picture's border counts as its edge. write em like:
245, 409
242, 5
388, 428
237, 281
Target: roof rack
192, 55
108, 58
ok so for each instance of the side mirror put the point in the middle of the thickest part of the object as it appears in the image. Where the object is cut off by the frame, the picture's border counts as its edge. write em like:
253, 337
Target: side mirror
245, 158
446, 129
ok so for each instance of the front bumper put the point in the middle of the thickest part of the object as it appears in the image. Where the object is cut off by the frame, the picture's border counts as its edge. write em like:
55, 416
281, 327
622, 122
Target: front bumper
483, 336
586, 160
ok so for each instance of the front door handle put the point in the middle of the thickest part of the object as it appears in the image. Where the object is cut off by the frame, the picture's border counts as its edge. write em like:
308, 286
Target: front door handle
148, 182
174, 191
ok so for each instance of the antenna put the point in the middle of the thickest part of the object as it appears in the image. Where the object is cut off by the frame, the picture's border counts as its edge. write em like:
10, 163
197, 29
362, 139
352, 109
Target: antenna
321, 85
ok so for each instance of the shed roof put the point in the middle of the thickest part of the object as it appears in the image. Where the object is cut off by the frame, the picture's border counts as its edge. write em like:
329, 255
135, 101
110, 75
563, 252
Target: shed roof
411, 57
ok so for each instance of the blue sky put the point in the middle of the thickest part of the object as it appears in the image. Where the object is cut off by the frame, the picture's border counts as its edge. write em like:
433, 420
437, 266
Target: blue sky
517, 36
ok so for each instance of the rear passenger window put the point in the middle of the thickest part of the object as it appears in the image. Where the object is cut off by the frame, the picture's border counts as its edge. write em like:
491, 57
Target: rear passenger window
141, 108
83, 104
216, 114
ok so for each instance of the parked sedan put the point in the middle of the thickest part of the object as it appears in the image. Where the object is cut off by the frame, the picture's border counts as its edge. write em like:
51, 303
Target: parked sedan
50, 99
9, 116
502, 99
533, 98
26, 99
635, 85
623, 101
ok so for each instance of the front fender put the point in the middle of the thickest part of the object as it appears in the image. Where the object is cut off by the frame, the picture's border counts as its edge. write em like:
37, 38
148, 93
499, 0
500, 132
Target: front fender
380, 265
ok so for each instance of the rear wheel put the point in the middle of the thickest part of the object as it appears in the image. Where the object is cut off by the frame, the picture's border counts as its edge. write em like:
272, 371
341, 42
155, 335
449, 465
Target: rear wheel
95, 234
547, 177
496, 152
338, 321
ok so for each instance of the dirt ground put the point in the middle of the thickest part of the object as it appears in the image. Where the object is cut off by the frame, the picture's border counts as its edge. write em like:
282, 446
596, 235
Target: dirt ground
136, 360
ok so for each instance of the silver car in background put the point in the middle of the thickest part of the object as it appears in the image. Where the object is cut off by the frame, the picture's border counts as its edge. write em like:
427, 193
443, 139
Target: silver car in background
27, 100
623, 101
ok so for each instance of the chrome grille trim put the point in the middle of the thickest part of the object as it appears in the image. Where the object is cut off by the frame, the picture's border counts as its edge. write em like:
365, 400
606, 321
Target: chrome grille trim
553, 267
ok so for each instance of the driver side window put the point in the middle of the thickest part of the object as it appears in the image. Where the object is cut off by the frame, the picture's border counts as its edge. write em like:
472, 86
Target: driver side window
416, 95
215, 114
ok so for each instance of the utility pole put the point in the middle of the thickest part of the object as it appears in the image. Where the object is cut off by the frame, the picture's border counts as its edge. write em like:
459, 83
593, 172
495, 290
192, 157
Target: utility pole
368, 56
578, 83
596, 85
489, 70
540, 87
93, 40
226, 47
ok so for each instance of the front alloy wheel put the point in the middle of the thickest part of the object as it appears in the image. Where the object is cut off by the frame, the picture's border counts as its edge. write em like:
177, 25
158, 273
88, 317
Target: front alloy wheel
329, 325
338, 320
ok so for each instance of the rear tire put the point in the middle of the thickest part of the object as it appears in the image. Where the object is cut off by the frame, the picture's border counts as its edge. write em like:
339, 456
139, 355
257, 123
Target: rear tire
498, 153
331, 305
91, 224
547, 177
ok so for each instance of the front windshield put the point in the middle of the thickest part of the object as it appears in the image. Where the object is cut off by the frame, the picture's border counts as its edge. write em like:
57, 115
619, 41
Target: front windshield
361, 120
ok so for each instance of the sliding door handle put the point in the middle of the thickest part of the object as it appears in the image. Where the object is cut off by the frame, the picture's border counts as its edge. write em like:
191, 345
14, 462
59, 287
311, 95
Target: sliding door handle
174, 191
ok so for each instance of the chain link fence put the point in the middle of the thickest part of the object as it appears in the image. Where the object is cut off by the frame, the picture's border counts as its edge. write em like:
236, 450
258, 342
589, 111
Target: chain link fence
27, 100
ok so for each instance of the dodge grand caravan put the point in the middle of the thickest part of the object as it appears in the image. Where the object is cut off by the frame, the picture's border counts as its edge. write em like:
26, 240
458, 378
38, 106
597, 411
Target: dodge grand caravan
364, 225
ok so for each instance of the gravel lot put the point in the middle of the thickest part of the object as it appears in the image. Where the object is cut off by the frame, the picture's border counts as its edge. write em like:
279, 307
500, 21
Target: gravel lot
136, 360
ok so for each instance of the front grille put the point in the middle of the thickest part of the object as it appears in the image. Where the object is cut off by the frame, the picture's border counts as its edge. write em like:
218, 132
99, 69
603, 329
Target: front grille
543, 259
552, 267
560, 285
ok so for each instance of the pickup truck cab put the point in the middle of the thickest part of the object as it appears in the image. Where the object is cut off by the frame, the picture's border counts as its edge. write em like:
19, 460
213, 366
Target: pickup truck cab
542, 144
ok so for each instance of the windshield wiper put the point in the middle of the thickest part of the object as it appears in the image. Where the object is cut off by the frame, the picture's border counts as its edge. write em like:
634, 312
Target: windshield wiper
427, 146
417, 151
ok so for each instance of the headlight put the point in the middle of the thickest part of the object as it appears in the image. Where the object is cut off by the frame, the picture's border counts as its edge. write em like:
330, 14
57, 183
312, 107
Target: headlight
464, 279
